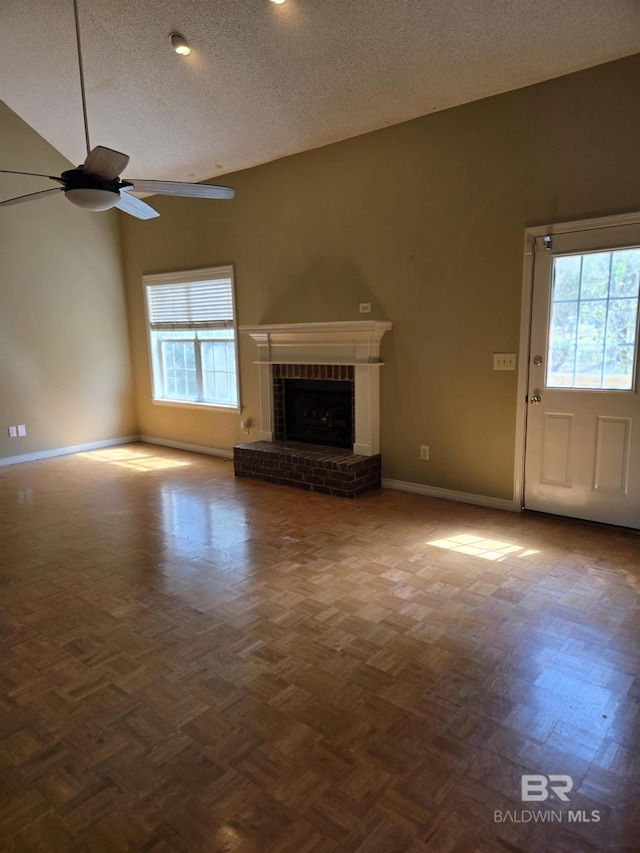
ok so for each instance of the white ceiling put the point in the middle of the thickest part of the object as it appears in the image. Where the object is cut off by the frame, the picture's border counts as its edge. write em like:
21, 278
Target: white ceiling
264, 81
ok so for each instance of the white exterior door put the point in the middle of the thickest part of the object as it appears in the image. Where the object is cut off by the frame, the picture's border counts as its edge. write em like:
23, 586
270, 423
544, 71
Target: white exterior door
582, 454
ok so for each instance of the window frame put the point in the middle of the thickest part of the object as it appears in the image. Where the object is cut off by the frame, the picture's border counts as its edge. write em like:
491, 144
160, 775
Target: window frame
154, 340
606, 300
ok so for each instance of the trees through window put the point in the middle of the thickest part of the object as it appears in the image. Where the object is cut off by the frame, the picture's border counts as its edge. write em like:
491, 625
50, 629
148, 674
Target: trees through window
594, 319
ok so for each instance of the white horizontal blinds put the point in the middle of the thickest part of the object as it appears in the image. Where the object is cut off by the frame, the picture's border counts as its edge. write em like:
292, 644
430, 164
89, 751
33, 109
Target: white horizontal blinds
191, 304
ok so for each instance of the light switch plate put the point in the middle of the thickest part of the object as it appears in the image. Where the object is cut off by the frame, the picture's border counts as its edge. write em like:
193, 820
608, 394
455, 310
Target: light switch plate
13, 432
504, 361
22, 430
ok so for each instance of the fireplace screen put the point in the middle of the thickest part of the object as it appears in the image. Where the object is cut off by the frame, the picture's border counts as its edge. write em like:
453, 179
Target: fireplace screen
319, 412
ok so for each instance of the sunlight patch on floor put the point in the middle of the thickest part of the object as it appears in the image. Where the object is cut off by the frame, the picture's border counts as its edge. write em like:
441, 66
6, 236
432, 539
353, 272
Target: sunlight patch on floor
136, 460
476, 546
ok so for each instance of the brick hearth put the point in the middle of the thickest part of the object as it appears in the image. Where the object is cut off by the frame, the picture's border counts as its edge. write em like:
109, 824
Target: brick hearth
315, 468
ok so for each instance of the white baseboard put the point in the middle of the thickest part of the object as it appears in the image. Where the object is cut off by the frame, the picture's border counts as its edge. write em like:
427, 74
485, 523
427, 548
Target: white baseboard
64, 451
398, 485
450, 495
181, 445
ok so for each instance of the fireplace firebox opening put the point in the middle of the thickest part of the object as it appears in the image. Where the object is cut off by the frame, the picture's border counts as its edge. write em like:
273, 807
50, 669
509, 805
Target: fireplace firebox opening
319, 411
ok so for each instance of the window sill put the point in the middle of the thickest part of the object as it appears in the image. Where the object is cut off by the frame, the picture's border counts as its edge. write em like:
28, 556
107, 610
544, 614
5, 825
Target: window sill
212, 407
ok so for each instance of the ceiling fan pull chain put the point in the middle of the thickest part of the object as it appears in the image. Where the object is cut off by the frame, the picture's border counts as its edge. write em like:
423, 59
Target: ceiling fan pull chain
82, 89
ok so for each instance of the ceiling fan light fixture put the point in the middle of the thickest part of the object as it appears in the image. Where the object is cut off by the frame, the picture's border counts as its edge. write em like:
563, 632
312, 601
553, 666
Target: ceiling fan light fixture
179, 43
93, 198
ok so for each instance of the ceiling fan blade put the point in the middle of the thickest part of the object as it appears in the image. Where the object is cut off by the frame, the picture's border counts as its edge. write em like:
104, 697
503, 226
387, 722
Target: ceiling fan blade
30, 196
33, 174
182, 189
105, 163
136, 207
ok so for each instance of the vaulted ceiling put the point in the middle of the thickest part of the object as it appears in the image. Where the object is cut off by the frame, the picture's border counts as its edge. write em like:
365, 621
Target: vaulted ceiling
265, 80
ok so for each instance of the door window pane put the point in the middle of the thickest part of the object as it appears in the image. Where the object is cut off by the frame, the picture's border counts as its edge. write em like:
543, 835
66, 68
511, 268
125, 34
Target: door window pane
593, 320
567, 277
594, 282
624, 273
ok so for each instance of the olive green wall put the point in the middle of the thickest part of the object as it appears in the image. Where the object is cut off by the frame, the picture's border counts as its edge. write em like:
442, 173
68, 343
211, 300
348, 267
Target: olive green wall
426, 221
65, 367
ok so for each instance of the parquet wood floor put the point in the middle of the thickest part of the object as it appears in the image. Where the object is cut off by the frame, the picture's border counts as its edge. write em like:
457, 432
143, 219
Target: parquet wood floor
192, 662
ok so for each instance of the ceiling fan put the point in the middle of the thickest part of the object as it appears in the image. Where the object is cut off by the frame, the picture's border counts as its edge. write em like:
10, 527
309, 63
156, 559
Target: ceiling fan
97, 185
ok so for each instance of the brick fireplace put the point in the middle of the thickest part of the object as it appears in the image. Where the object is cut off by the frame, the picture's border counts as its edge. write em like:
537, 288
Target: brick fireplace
325, 423
330, 360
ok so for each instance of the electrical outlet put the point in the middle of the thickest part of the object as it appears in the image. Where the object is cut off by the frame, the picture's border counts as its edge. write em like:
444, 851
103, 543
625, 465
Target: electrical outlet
504, 361
365, 308
22, 430
13, 432
424, 452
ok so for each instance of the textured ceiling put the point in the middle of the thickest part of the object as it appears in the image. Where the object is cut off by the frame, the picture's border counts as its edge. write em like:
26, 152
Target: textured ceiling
266, 80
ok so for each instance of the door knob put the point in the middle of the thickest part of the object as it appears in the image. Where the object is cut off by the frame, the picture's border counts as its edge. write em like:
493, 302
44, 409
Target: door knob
535, 400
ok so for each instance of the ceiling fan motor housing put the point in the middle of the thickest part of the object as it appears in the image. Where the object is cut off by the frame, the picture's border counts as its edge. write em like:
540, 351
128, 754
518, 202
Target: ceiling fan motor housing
90, 192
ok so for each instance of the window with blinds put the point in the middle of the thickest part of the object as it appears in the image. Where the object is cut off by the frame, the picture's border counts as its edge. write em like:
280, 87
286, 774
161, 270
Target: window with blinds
192, 337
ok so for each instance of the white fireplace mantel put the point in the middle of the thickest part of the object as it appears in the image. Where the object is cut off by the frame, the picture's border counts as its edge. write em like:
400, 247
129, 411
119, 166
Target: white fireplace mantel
354, 343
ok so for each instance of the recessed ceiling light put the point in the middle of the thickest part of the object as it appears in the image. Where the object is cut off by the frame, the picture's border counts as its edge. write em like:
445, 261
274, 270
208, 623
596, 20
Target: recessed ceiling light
180, 44
278, 2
